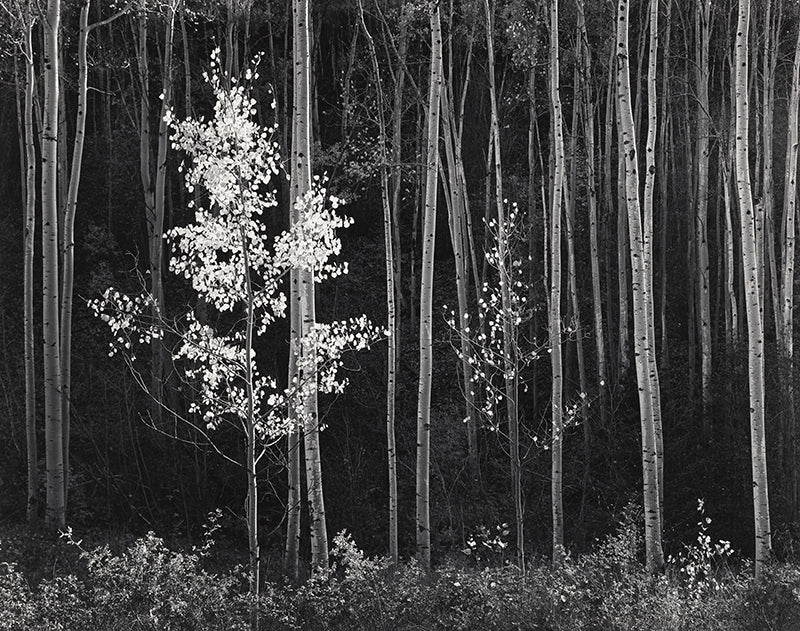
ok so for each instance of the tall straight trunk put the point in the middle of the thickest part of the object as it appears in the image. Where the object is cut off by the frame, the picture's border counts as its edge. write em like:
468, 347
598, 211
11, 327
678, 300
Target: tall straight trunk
68, 228
663, 184
391, 363
301, 183
608, 205
731, 303
772, 28
640, 285
505, 269
787, 291
423, 521
624, 357
54, 448
457, 211
30, 229
753, 300
702, 39
588, 111
396, 170
647, 247
145, 174
294, 456
463, 245
250, 431
554, 320
577, 327
68, 239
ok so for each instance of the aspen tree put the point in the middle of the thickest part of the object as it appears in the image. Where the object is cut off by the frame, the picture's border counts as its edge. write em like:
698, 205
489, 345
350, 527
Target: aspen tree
154, 192
753, 298
588, 112
29, 157
662, 182
702, 39
391, 364
772, 28
301, 184
787, 290
457, 207
423, 522
54, 448
68, 225
647, 249
509, 350
640, 284
554, 321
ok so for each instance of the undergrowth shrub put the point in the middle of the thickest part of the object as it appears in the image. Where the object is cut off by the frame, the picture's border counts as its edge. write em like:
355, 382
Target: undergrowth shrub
149, 587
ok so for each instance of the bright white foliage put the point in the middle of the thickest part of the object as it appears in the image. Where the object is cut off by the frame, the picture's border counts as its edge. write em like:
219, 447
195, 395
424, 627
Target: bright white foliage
486, 339
226, 254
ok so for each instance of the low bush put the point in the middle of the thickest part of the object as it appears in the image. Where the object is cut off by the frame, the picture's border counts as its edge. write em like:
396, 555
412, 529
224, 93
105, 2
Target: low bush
148, 587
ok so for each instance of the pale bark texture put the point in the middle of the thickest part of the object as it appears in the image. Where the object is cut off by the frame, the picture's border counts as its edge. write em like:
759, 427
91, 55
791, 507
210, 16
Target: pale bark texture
301, 183
554, 320
640, 284
423, 522
701, 64
588, 111
753, 299
787, 290
30, 228
54, 448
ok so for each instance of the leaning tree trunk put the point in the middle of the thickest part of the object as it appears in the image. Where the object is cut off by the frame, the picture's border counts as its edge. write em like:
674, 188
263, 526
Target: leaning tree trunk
426, 298
753, 299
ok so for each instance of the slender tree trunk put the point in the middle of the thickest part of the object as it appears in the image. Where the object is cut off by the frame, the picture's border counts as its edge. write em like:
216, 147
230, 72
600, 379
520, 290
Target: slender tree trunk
504, 268
30, 228
588, 111
252, 460
787, 292
640, 284
457, 211
423, 522
301, 184
390, 293
556, 483
647, 242
703, 36
663, 184
753, 299
54, 448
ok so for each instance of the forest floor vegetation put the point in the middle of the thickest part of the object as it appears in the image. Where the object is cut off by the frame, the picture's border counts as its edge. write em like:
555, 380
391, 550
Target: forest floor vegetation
142, 584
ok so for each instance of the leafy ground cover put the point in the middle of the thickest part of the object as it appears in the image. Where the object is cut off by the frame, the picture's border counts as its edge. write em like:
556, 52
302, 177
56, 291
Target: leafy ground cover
144, 584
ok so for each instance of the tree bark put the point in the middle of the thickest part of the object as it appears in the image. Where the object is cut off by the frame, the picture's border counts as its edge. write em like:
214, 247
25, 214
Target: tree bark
554, 321
423, 523
753, 299
54, 448
301, 183
640, 284
29, 158
787, 292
